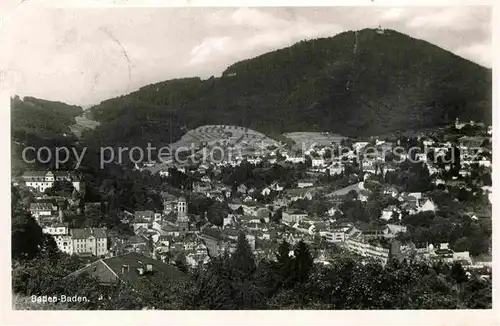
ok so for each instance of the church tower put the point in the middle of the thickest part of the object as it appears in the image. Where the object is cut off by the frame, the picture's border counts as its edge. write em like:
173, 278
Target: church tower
182, 217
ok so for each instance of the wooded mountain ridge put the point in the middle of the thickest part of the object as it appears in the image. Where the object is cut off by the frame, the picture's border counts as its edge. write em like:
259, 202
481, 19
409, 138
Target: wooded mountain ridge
357, 83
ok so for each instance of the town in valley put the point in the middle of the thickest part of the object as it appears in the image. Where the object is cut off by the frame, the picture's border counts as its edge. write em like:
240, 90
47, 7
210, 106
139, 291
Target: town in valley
322, 158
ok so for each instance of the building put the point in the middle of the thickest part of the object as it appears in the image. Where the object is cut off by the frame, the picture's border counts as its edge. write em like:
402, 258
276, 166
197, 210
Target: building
374, 250
201, 187
42, 180
318, 162
427, 206
390, 212
336, 168
392, 230
139, 223
144, 215
182, 215
305, 227
242, 189
248, 219
89, 241
357, 146
62, 237
295, 159
85, 242
169, 202
265, 192
305, 183
334, 236
40, 210
129, 268
293, 216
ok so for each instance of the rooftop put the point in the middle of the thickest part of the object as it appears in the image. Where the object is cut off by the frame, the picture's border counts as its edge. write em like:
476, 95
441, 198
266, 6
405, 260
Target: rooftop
124, 268
88, 232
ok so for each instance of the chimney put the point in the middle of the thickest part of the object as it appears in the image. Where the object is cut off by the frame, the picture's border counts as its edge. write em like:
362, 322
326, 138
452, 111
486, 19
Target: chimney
149, 267
140, 270
125, 268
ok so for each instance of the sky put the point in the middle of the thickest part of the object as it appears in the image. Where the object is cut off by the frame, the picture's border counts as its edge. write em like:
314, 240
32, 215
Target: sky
83, 56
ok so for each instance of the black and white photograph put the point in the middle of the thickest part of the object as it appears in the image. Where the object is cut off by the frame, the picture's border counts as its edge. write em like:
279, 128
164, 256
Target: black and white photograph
249, 158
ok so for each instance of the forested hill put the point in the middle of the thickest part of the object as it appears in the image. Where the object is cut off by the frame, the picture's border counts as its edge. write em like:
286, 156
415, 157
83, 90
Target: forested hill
355, 83
38, 123
41, 117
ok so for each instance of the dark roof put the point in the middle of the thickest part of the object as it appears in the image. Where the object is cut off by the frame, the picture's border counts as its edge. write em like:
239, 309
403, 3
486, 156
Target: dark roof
140, 220
41, 206
321, 225
297, 191
170, 228
30, 174
59, 224
145, 214
70, 174
248, 218
171, 217
137, 240
109, 270
165, 195
263, 212
231, 232
211, 232
87, 232
295, 212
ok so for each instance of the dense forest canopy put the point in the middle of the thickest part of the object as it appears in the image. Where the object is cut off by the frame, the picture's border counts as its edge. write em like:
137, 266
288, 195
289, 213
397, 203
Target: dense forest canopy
355, 83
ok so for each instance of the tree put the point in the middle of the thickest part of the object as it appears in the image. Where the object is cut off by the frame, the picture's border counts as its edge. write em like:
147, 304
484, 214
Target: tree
458, 273
181, 263
216, 213
278, 215
302, 262
352, 195
243, 259
27, 238
61, 188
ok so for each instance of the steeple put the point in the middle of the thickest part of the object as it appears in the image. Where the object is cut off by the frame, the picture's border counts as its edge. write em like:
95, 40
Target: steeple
182, 209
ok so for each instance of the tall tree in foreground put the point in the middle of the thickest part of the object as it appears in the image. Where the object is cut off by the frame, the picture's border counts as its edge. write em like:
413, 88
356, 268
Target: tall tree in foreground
302, 263
243, 260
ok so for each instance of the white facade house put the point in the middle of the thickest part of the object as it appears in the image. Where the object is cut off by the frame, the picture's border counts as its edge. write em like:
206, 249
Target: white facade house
484, 162
357, 146
89, 241
39, 210
78, 241
336, 168
386, 214
318, 162
164, 173
42, 180
305, 184
336, 236
295, 159
427, 206
293, 216
366, 249
421, 157
265, 192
